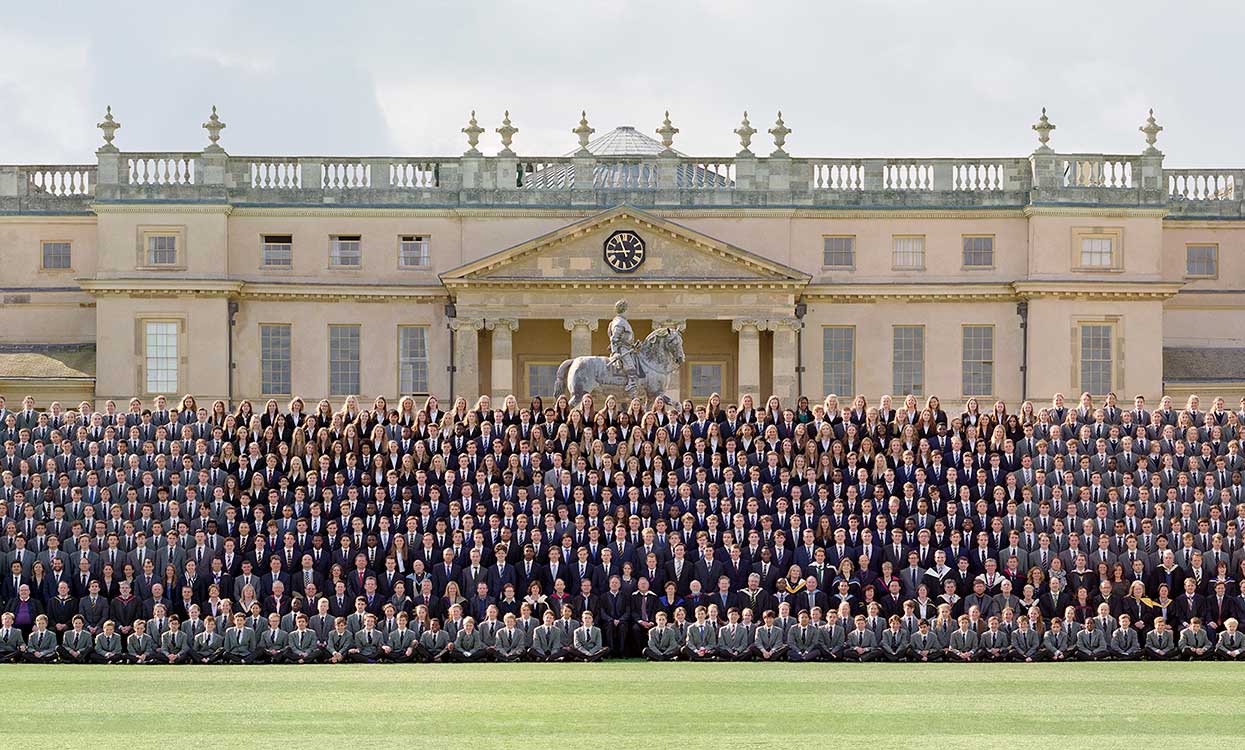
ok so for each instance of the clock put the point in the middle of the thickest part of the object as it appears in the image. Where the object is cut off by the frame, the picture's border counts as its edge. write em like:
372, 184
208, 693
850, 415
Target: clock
624, 251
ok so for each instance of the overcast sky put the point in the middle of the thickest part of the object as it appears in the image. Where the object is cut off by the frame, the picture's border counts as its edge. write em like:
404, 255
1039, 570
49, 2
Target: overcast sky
871, 77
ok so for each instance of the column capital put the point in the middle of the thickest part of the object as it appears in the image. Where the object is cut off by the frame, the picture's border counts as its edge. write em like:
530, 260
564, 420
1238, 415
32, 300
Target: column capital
785, 324
466, 324
739, 324
498, 324
571, 324
678, 324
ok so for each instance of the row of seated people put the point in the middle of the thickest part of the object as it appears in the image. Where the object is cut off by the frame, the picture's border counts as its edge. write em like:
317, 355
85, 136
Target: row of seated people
805, 638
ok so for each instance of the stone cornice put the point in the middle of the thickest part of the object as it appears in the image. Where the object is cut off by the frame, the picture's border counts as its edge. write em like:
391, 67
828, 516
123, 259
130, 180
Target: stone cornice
156, 207
1114, 212
621, 284
48, 219
1005, 292
261, 291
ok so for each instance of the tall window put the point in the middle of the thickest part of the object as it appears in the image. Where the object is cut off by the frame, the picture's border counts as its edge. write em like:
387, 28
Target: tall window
278, 251
160, 352
346, 251
978, 252
274, 357
839, 252
343, 360
977, 360
908, 369
706, 379
1097, 252
56, 255
1202, 260
838, 358
412, 359
540, 379
413, 251
1097, 357
161, 249
908, 252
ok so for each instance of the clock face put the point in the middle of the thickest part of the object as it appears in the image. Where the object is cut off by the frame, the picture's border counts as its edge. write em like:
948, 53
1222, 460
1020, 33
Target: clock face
624, 251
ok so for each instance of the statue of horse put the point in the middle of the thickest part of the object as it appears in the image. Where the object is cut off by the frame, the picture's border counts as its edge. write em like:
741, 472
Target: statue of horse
659, 357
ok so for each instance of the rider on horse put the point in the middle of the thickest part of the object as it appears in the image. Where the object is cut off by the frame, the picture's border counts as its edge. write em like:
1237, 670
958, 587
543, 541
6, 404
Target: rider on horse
623, 347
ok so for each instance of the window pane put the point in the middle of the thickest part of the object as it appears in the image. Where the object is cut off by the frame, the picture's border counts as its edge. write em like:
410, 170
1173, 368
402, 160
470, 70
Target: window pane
838, 360
162, 250
706, 380
343, 360
1202, 260
346, 251
412, 359
979, 251
278, 251
1096, 358
540, 380
978, 360
160, 349
909, 360
908, 252
274, 358
1096, 252
839, 251
413, 252
56, 255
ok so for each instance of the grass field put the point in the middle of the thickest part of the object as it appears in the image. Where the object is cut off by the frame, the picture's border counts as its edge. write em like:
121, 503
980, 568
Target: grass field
623, 704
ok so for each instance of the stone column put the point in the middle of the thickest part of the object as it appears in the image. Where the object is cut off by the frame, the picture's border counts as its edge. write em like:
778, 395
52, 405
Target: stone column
676, 378
749, 357
784, 360
581, 335
503, 356
466, 357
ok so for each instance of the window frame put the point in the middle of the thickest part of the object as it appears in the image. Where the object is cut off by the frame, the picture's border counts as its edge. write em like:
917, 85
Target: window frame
329, 361
964, 329
427, 360
1115, 234
706, 361
825, 238
141, 368
895, 389
148, 231
1116, 369
895, 238
1215, 259
43, 266
536, 361
851, 390
965, 265
427, 238
263, 258
289, 359
335, 266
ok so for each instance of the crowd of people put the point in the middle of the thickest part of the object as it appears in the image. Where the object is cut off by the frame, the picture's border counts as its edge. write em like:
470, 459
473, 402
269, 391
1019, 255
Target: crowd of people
835, 531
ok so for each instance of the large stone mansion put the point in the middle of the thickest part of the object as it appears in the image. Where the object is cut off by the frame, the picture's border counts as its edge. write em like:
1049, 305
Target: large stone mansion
264, 276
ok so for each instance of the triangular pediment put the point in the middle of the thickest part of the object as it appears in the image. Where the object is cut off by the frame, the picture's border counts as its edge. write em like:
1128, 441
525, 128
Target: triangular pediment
673, 253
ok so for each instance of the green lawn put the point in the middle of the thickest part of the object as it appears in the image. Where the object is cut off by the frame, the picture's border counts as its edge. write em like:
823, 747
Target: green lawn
623, 704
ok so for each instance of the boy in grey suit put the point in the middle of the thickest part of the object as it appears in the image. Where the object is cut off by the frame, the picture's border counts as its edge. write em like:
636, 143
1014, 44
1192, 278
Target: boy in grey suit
924, 645
368, 642
400, 645
208, 645
140, 647
509, 643
833, 637
41, 648
76, 644
895, 641
109, 649
272, 642
663, 641
1194, 643
862, 644
1091, 644
587, 643
1056, 644
964, 642
240, 642
702, 638
301, 647
769, 643
995, 645
547, 641
12, 644
733, 642
1160, 643
1231, 645
1025, 642
434, 643
1124, 644
469, 644
340, 643
174, 644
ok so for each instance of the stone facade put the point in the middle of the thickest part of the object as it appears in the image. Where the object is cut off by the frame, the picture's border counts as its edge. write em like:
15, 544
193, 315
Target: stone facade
787, 274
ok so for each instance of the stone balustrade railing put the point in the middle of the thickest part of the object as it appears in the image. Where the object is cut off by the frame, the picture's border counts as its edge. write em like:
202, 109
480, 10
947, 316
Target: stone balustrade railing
584, 181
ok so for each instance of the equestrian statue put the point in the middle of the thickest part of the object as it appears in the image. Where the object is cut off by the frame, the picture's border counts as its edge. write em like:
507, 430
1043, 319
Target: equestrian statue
639, 370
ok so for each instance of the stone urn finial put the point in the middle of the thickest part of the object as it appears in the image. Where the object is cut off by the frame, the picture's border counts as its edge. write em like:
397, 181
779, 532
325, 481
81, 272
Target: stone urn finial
780, 131
473, 131
110, 128
506, 131
745, 131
